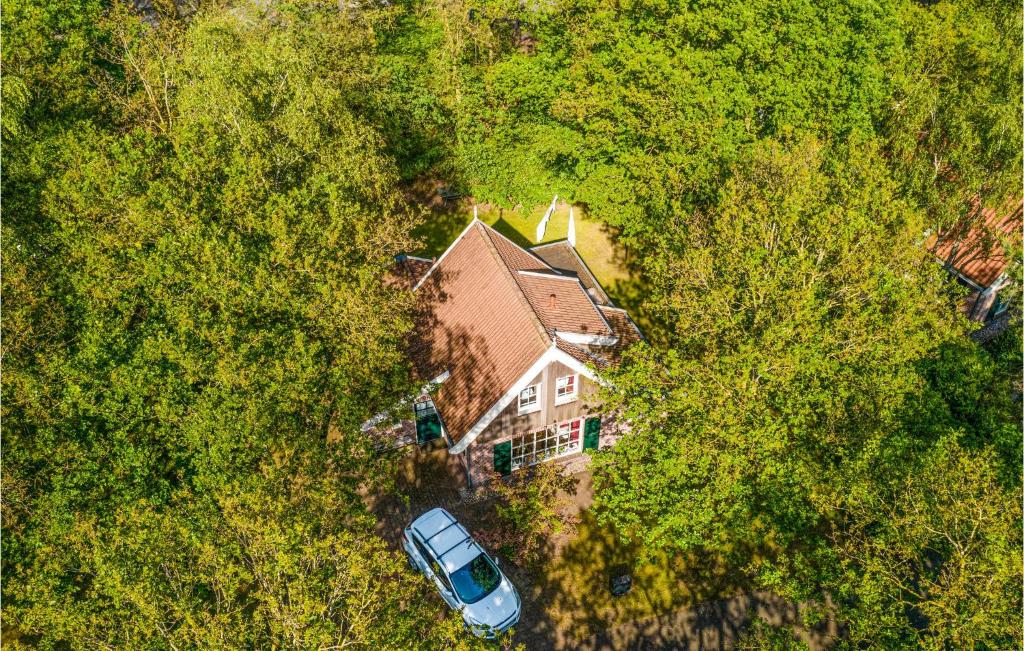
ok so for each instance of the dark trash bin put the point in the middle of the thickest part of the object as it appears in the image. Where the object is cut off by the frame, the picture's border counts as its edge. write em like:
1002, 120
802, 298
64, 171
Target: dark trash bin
620, 580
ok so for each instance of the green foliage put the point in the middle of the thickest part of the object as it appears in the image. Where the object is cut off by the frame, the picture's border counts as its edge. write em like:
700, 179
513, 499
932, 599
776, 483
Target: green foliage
794, 331
938, 541
531, 508
810, 359
199, 209
954, 128
197, 326
760, 636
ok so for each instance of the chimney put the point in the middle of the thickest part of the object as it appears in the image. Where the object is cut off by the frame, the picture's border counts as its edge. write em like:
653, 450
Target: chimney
552, 301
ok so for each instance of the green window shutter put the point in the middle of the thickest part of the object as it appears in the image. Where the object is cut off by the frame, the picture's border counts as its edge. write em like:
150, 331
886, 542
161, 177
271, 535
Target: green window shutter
592, 433
503, 457
428, 428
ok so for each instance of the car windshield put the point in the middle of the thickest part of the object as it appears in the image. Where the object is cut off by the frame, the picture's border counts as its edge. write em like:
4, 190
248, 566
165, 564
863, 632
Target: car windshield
476, 579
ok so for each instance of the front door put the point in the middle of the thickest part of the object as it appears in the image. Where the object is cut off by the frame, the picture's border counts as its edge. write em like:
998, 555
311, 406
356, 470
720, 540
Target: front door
428, 424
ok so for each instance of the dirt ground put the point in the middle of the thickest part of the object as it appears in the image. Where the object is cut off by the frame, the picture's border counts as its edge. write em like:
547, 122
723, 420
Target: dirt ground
679, 603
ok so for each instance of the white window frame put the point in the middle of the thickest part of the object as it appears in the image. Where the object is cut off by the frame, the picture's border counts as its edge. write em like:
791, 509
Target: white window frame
561, 383
553, 442
535, 405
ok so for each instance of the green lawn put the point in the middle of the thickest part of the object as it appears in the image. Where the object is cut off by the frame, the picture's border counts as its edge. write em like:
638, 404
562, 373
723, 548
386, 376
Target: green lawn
570, 593
595, 242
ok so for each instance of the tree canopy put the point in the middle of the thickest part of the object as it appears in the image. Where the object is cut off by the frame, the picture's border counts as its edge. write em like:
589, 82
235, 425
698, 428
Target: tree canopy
195, 327
201, 202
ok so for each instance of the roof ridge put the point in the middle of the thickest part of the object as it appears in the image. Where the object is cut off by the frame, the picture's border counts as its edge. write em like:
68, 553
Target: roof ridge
515, 278
491, 229
544, 337
541, 274
440, 258
551, 243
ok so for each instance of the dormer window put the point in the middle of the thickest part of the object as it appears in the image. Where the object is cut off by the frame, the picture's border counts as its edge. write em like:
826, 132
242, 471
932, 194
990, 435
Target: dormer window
529, 399
565, 389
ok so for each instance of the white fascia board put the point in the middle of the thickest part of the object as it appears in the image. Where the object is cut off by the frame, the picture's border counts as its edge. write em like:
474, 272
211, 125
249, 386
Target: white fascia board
577, 365
446, 251
504, 401
593, 340
552, 354
551, 275
377, 419
440, 379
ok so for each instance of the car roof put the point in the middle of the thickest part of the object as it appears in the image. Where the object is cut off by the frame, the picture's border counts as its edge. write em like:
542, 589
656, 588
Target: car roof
446, 538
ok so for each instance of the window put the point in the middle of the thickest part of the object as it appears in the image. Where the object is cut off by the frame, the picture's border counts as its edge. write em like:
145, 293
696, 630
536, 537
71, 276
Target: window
422, 550
571, 430
529, 399
435, 567
476, 579
557, 441
424, 408
565, 389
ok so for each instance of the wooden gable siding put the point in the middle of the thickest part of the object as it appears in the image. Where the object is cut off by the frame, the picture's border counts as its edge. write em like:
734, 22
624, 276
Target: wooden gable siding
509, 422
479, 456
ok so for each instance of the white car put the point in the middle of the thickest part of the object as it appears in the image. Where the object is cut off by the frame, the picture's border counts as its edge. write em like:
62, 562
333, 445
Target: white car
464, 574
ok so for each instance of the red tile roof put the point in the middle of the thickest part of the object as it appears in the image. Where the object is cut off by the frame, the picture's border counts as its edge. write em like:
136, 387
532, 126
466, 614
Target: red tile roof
407, 271
623, 326
624, 330
514, 256
485, 314
573, 309
564, 259
978, 254
561, 303
473, 321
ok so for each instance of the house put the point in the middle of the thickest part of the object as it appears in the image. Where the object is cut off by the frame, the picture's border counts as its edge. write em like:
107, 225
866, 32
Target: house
510, 343
975, 254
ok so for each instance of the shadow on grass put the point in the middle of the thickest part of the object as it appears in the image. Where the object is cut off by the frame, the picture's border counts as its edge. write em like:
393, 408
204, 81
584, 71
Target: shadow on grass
567, 601
440, 228
688, 601
504, 227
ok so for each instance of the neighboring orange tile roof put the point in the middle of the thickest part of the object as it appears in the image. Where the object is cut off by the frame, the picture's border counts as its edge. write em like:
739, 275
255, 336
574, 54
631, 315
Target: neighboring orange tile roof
978, 254
484, 313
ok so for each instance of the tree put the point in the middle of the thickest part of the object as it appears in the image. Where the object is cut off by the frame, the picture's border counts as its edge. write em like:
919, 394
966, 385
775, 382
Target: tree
761, 636
794, 312
931, 555
954, 132
199, 209
801, 322
531, 508
202, 306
